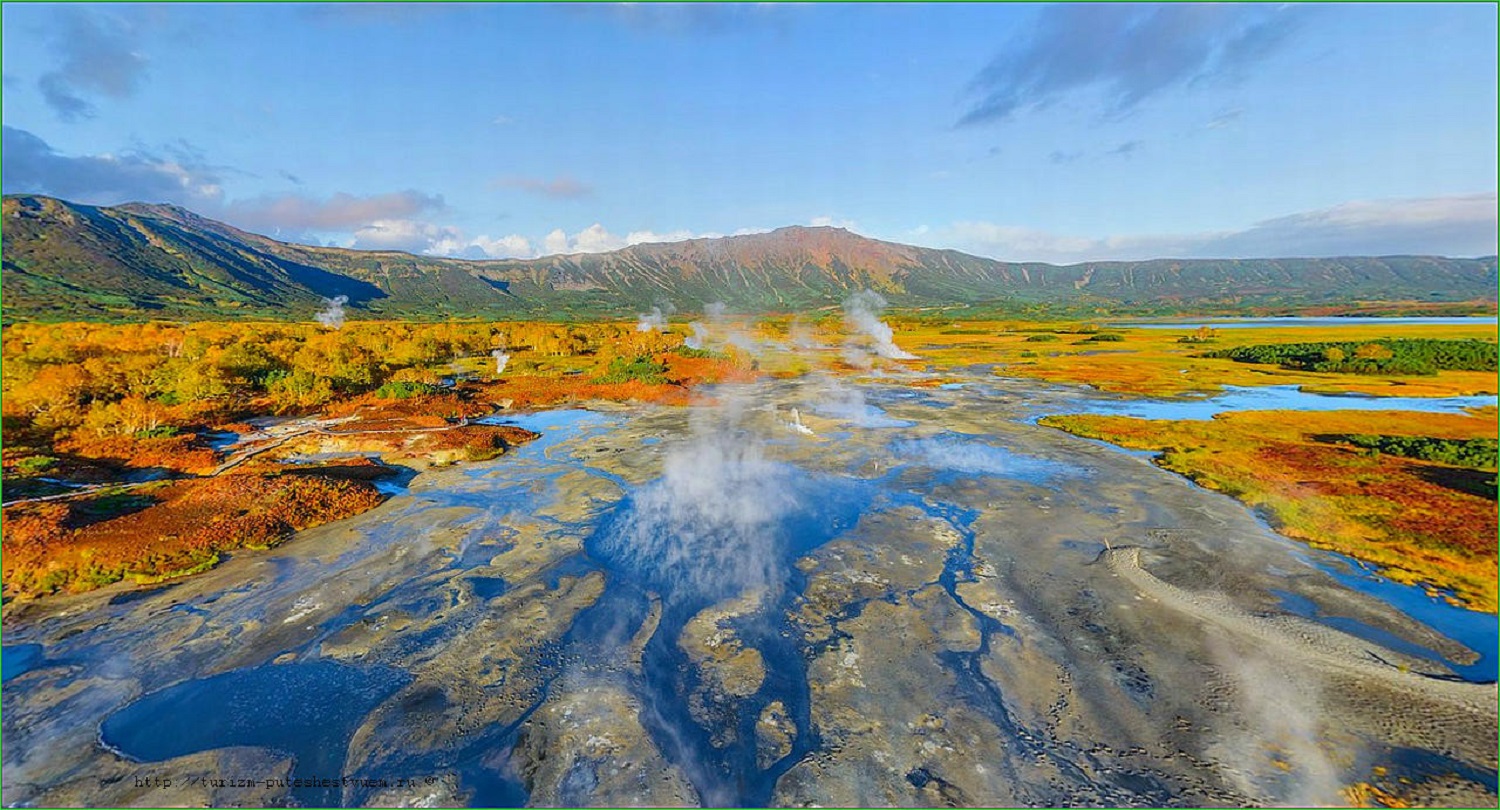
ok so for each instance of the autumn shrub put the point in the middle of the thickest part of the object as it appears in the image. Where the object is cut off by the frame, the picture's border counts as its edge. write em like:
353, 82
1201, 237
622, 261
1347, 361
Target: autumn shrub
699, 354
407, 390
33, 465
1412, 356
84, 543
641, 368
1476, 453
297, 390
161, 432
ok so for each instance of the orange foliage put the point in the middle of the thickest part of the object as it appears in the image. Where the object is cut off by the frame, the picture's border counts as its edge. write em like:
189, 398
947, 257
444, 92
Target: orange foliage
1364, 794
183, 525
691, 371
534, 392
439, 407
185, 454
398, 439
84, 402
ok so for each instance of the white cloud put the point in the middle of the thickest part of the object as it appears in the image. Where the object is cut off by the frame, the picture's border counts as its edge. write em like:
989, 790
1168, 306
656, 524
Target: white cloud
513, 246
595, 239
598, 239
555, 242
400, 234
437, 240
1456, 225
832, 222
640, 237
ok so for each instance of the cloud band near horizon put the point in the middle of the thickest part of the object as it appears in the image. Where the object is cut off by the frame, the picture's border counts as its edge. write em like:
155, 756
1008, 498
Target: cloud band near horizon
1452, 225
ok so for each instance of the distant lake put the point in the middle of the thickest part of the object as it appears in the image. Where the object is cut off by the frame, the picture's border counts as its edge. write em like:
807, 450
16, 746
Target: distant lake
1274, 398
1259, 323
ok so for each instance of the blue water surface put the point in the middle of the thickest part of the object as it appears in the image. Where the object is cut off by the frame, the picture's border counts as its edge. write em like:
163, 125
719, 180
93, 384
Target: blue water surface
1271, 398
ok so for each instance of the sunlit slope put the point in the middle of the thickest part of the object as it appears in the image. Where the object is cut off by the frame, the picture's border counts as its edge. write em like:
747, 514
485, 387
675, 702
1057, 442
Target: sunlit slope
64, 260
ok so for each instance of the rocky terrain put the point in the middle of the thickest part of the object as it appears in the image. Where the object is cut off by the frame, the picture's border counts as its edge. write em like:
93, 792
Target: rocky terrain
946, 605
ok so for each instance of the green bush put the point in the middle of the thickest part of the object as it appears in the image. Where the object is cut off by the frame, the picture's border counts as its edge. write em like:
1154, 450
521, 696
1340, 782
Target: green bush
110, 505
1104, 337
1476, 453
160, 432
1404, 356
407, 390
31, 465
1044, 338
642, 367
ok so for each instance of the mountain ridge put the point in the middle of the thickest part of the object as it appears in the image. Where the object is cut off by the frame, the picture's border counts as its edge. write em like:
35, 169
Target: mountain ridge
66, 260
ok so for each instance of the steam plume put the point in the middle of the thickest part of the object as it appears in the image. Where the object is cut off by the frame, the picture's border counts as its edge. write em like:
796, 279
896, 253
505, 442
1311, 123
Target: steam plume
699, 339
848, 403
333, 316
501, 358
709, 525
862, 314
796, 423
1279, 733
656, 319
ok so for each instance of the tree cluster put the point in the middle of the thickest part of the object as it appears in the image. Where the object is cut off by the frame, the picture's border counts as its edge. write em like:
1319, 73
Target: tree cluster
1411, 356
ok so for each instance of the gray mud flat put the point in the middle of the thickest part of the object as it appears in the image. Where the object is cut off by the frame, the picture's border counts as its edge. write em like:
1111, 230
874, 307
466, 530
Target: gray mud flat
896, 597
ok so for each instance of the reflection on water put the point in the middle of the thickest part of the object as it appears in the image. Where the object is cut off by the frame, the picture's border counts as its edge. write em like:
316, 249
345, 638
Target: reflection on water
1299, 605
309, 711
488, 587
849, 405
1270, 398
19, 659
1479, 632
950, 455
698, 539
545, 422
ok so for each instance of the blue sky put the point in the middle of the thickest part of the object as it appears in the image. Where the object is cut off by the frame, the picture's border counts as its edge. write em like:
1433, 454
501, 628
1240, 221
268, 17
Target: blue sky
1023, 132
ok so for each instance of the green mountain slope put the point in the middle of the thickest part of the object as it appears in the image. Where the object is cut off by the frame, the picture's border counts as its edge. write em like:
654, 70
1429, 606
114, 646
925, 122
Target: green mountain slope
63, 260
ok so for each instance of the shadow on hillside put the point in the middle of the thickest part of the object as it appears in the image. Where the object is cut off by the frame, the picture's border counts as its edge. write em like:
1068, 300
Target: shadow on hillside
1481, 483
330, 285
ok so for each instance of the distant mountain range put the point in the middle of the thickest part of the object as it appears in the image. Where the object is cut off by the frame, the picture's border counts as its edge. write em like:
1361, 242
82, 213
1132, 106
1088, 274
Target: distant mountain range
68, 261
